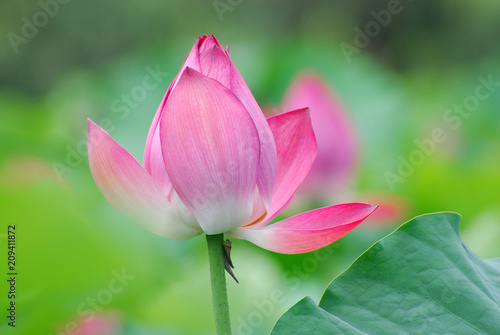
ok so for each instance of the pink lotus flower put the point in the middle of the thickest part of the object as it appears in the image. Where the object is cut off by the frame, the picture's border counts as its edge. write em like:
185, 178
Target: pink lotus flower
214, 164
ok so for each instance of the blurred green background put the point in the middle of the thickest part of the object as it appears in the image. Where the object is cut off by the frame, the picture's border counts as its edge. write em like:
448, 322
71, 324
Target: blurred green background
82, 56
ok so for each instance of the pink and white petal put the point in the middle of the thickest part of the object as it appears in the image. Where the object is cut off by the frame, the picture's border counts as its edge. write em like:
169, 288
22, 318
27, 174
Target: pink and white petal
129, 188
205, 131
183, 212
153, 158
335, 134
259, 209
296, 146
266, 174
307, 231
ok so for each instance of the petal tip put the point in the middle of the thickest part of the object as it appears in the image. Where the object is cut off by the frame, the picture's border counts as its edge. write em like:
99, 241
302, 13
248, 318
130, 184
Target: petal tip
91, 127
190, 72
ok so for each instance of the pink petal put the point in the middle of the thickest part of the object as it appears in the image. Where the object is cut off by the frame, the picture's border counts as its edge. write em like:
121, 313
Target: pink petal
153, 158
296, 146
205, 133
216, 64
307, 231
129, 188
337, 149
266, 174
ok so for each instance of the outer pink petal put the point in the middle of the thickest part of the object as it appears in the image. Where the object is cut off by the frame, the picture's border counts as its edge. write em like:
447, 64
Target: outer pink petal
129, 188
153, 158
204, 133
266, 174
307, 231
337, 149
296, 146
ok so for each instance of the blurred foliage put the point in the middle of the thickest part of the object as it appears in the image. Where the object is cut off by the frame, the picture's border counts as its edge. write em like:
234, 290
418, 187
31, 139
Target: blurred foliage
90, 53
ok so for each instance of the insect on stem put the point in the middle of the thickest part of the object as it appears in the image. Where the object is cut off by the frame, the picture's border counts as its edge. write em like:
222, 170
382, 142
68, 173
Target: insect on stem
228, 263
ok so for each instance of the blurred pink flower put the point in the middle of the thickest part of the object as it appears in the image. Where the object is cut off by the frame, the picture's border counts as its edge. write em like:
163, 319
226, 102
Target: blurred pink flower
101, 324
335, 163
334, 170
214, 164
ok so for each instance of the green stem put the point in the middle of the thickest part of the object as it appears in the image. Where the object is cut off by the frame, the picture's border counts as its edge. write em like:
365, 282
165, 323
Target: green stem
218, 280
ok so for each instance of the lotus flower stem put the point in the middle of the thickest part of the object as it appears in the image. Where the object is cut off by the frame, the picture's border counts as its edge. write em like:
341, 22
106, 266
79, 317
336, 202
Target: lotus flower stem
218, 280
